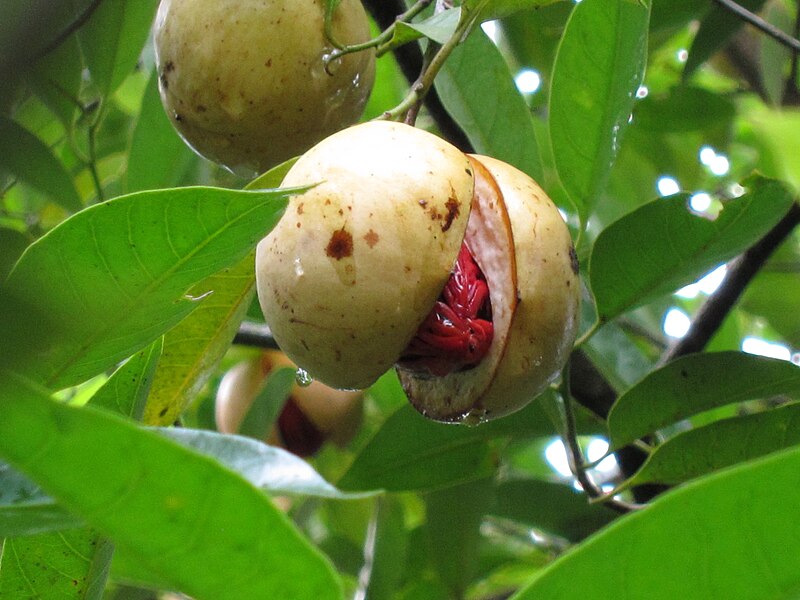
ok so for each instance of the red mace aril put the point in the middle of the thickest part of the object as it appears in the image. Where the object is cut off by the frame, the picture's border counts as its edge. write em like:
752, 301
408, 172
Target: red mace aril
458, 331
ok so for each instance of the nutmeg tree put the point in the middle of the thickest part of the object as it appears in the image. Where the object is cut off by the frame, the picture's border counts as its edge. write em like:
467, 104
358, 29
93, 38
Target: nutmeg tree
553, 243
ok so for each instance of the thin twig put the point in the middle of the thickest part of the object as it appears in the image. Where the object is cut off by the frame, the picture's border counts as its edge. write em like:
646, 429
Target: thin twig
577, 464
741, 271
255, 335
760, 23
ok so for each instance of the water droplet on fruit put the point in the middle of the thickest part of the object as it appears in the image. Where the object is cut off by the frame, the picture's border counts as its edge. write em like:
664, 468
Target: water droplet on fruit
302, 378
476, 416
298, 267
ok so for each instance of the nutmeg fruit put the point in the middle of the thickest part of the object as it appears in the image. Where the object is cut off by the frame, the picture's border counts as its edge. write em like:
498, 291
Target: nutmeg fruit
311, 416
459, 270
244, 81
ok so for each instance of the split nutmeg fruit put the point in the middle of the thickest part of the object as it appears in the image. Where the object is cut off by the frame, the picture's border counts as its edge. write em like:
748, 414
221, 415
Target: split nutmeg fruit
244, 81
456, 269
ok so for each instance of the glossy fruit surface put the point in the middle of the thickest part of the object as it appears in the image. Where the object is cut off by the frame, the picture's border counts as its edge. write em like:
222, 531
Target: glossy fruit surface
244, 82
356, 263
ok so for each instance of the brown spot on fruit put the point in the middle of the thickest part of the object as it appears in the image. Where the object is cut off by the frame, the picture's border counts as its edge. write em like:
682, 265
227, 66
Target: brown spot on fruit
573, 260
300, 208
340, 245
453, 207
371, 238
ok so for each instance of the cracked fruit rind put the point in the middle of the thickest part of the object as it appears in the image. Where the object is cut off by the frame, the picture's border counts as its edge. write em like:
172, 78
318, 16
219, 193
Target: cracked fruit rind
243, 81
533, 340
356, 263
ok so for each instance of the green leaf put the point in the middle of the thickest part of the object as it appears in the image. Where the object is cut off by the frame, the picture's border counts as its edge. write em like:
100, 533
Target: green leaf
194, 347
555, 508
496, 9
663, 245
26, 510
721, 444
271, 469
598, 69
12, 245
410, 452
723, 536
56, 79
453, 519
773, 296
692, 384
56, 566
182, 516
125, 393
112, 40
30, 161
117, 274
389, 551
158, 157
716, 29
268, 403
477, 89
440, 27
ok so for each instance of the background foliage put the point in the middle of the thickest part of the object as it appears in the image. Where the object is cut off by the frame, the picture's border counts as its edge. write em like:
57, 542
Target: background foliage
666, 130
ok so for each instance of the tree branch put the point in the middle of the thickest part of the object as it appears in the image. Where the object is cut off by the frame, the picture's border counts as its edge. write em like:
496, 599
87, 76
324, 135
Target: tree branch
759, 23
740, 273
409, 57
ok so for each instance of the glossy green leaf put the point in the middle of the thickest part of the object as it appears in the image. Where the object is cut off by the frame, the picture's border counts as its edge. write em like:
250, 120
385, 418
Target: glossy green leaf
30, 161
496, 9
730, 535
194, 347
721, 444
271, 469
685, 108
26, 510
453, 520
477, 89
598, 69
388, 547
112, 40
126, 391
775, 298
184, 517
555, 508
56, 566
695, 383
158, 157
118, 274
451, 454
664, 245
716, 29
440, 27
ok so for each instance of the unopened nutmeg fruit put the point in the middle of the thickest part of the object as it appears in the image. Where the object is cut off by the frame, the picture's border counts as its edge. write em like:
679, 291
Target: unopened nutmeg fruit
246, 82
457, 269
311, 416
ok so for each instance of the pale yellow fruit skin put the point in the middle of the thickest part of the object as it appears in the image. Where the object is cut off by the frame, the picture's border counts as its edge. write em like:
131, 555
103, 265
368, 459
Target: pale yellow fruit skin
356, 263
543, 327
546, 321
243, 80
336, 414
